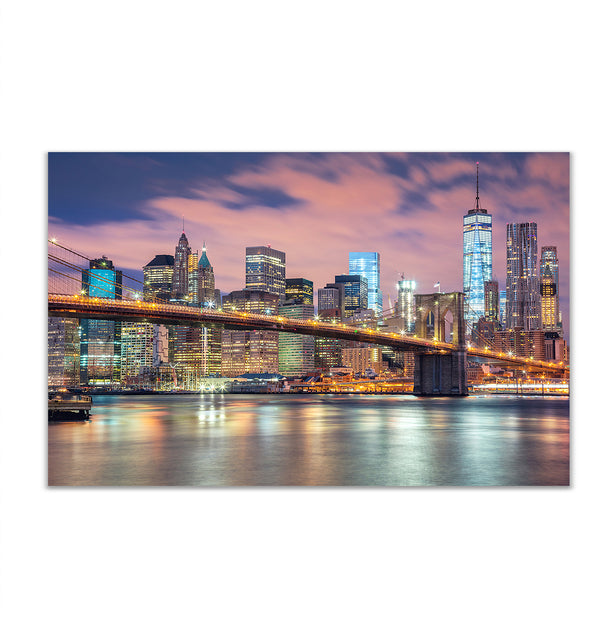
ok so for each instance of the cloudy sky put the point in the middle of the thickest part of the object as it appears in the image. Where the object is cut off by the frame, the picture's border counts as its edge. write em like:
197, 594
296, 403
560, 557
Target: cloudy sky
314, 207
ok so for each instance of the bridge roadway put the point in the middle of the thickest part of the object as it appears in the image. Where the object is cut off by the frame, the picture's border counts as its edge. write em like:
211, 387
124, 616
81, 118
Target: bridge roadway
77, 306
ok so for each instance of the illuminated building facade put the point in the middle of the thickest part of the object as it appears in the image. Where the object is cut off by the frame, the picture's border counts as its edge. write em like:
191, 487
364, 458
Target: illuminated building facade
549, 289
296, 352
158, 278
181, 268
368, 265
523, 306
477, 259
63, 352
353, 293
208, 295
299, 289
406, 304
492, 311
328, 298
196, 351
328, 352
252, 351
502, 307
361, 359
527, 343
265, 270
144, 348
192, 294
100, 343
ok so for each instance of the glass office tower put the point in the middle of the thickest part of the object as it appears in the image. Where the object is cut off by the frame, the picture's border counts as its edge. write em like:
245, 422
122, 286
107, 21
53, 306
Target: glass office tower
158, 278
477, 259
368, 264
265, 270
353, 293
100, 346
406, 304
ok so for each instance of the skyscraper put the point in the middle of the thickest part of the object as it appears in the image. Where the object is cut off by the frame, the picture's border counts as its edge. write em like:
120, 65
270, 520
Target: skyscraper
353, 293
523, 309
367, 264
406, 304
477, 259
158, 278
328, 298
180, 268
296, 352
299, 289
549, 288
196, 351
265, 270
250, 351
208, 295
100, 347
492, 311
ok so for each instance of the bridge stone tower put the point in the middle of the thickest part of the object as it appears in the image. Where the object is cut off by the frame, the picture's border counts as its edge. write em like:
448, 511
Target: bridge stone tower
441, 374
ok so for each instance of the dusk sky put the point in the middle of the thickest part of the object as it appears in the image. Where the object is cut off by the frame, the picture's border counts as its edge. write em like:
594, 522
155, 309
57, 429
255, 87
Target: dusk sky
314, 207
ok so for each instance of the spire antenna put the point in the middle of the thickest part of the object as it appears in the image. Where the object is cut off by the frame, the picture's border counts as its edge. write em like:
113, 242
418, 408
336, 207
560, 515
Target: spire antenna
184, 223
477, 198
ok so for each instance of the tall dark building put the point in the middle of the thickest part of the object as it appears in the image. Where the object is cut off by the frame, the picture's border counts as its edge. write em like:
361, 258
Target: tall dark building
158, 278
328, 298
353, 293
181, 268
491, 300
100, 347
523, 310
549, 289
299, 289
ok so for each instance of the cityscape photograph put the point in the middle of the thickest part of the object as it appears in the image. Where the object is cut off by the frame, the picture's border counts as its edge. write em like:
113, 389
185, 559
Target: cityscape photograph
308, 319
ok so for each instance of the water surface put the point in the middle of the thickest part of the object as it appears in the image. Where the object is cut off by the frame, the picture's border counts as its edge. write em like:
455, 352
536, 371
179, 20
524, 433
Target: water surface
393, 440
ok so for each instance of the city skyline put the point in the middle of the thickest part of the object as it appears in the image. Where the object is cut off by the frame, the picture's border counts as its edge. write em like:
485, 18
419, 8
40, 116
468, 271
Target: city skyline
407, 207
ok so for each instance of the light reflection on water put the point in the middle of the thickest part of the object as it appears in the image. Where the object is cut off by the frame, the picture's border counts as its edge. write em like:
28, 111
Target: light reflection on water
216, 439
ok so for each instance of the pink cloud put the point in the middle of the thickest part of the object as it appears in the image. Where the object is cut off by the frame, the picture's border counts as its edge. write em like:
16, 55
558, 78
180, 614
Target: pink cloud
342, 203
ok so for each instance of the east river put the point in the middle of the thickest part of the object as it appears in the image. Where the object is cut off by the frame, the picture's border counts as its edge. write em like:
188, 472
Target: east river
335, 440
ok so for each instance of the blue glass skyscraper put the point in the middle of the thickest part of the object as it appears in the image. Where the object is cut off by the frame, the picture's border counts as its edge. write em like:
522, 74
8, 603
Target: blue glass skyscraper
367, 264
477, 259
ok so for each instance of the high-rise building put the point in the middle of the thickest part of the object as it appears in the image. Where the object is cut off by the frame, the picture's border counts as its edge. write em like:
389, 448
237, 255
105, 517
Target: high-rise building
144, 348
328, 298
492, 311
181, 269
208, 295
368, 265
299, 289
406, 304
192, 295
100, 343
250, 351
502, 307
196, 351
63, 351
353, 293
158, 278
477, 258
296, 352
549, 289
360, 359
265, 270
328, 352
523, 308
